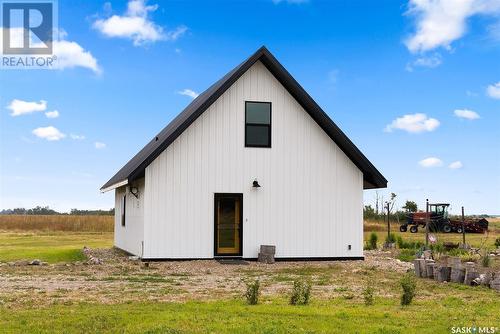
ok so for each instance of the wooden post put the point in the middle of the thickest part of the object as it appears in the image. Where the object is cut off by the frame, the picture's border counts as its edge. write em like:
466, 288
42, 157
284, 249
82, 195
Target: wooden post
463, 227
388, 223
427, 222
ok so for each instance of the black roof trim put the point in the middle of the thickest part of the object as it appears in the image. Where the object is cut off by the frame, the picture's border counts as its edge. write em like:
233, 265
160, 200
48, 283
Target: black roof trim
135, 168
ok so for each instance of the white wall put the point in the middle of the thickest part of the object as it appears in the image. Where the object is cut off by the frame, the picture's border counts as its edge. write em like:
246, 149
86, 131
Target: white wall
130, 236
310, 202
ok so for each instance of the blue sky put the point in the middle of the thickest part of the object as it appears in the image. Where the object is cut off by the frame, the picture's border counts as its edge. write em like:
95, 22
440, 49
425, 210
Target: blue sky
415, 85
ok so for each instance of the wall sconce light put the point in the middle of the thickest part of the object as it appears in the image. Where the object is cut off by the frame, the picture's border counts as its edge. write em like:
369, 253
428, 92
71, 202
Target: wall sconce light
134, 191
256, 184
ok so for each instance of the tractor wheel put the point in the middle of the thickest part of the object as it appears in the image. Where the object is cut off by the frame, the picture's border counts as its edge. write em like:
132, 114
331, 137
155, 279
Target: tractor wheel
459, 230
403, 228
414, 229
446, 228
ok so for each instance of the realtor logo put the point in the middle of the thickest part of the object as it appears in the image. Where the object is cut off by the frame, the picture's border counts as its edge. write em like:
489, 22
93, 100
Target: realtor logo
28, 28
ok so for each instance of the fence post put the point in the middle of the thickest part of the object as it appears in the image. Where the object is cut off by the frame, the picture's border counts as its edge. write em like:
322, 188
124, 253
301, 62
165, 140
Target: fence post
427, 222
388, 224
463, 227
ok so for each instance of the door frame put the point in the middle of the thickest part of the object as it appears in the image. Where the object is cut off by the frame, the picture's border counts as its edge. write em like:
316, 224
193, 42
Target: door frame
228, 195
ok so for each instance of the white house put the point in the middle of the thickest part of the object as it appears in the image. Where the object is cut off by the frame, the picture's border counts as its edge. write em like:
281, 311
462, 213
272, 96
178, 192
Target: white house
251, 161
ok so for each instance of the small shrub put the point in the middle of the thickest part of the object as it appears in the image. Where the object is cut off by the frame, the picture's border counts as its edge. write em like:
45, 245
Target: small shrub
368, 294
252, 292
407, 255
408, 284
458, 252
486, 259
408, 244
390, 239
497, 242
372, 242
301, 293
438, 247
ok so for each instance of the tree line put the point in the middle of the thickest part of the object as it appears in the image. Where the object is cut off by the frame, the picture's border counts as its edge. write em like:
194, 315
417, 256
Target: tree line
45, 210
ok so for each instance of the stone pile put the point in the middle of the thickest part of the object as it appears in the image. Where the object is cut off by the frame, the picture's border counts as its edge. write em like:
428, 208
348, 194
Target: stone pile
451, 269
91, 259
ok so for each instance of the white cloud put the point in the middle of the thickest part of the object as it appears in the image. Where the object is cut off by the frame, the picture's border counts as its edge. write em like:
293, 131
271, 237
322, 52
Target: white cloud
77, 137
440, 22
68, 54
20, 107
430, 162
52, 114
49, 133
71, 54
99, 145
188, 92
467, 114
493, 91
455, 165
135, 24
413, 123
426, 61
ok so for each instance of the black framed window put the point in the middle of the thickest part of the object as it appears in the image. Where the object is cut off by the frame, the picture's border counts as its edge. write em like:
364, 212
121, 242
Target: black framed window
124, 205
257, 124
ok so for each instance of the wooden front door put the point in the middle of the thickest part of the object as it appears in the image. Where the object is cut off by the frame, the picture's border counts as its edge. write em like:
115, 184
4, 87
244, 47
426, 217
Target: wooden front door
228, 224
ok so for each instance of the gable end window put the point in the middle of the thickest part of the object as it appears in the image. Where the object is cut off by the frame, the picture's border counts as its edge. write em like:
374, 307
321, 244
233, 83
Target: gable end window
124, 204
257, 124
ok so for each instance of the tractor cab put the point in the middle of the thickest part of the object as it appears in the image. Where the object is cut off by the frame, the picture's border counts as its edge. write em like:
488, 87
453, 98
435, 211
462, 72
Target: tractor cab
439, 210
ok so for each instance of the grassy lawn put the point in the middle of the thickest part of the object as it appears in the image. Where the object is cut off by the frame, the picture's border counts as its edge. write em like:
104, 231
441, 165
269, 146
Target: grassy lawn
123, 297
50, 247
275, 316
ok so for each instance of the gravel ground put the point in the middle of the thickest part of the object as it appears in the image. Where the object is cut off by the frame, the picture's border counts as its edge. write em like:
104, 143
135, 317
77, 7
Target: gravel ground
119, 279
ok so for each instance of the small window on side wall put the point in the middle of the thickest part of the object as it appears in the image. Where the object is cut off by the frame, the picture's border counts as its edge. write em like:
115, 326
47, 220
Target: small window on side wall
124, 206
257, 124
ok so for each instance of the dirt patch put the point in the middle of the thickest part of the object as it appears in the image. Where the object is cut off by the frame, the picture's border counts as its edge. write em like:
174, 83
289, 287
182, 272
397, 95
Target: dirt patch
119, 279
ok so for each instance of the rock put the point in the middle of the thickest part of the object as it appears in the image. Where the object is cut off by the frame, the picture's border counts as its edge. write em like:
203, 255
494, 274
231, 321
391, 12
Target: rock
470, 273
427, 254
268, 249
457, 275
389, 245
35, 262
133, 258
430, 269
495, 282
420, 269
443, 274
266, 258
21, 263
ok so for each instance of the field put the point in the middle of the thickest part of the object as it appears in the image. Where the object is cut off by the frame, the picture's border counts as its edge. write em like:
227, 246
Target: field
123, 296
474, 239
51, 223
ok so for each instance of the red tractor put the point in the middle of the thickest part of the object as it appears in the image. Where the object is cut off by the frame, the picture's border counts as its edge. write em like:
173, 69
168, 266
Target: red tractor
437, 216
440, 222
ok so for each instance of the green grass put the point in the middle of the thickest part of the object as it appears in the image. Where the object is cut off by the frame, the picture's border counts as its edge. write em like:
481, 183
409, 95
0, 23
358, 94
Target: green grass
474, 239
274, 316
50, 247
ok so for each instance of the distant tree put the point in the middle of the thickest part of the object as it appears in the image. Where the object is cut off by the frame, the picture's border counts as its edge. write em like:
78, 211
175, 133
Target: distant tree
410, 206
109, 212
369, 212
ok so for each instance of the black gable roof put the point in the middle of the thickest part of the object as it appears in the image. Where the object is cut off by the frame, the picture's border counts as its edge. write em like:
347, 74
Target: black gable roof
134, 169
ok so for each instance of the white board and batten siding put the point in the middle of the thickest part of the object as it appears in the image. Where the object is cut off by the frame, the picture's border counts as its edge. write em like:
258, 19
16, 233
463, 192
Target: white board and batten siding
311, 196
130, 236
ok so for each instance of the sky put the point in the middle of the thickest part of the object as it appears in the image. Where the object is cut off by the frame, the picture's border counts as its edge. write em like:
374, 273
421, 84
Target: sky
414, 84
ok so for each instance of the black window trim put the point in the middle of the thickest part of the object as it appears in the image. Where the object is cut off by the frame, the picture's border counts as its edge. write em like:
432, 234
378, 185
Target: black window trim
269, 126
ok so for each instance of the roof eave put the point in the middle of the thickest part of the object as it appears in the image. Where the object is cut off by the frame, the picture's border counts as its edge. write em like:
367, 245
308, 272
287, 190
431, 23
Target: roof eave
114, 186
